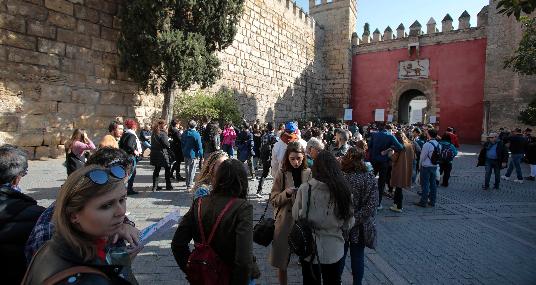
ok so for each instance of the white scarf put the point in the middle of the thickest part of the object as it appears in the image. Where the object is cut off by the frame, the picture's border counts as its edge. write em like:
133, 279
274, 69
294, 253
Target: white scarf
138, 143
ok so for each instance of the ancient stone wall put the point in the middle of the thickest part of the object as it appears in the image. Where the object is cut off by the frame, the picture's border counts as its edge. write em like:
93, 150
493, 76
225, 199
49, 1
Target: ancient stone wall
338, 18
59, 69
506, 92
274, 64
58, 72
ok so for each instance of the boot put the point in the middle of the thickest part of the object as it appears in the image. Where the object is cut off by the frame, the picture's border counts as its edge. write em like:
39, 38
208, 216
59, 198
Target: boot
168, 184
155, 184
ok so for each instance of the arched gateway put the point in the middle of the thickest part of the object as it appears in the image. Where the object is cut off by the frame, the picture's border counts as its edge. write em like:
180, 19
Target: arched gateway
405, 91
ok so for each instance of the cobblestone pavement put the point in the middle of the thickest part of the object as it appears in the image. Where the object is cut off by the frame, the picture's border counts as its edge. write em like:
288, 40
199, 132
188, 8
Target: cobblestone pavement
470, 237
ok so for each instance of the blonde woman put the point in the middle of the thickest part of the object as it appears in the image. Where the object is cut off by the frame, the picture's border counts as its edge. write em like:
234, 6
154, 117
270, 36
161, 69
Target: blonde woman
203, 183
90, 211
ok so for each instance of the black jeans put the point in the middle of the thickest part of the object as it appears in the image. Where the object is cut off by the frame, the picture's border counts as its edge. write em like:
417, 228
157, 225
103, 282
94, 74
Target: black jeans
383, 169
329, 273
167, 175
266, 164
397, 199
445, 169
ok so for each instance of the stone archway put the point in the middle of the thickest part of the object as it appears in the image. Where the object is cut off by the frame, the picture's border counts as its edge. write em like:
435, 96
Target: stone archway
405, 90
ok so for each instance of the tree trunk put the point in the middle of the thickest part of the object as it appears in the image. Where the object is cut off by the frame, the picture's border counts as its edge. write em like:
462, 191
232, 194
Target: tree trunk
169, 101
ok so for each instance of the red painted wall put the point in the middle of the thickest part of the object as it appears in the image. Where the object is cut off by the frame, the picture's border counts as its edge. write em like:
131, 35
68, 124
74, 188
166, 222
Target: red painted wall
458, 69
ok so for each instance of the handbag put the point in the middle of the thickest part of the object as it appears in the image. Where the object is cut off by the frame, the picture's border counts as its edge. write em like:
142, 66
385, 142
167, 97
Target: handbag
300, 239
263, 231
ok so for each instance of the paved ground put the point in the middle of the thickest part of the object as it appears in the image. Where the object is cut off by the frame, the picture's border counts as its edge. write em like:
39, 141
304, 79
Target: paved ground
470, 237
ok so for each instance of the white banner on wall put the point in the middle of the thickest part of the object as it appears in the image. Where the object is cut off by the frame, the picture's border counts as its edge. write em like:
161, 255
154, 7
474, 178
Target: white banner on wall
348, 114
379, 115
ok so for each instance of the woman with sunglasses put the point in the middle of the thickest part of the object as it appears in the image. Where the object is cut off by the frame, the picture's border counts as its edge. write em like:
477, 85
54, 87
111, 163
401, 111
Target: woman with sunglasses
90, 210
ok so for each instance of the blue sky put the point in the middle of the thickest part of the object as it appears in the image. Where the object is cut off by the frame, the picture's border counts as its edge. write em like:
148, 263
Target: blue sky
382, 13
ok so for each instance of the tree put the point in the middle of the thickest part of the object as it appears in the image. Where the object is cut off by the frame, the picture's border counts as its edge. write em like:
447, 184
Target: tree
528, 116
171, 44
524, 59
203, 106
515, 7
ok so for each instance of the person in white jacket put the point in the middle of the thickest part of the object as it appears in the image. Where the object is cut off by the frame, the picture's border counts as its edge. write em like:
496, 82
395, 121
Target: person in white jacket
280, 147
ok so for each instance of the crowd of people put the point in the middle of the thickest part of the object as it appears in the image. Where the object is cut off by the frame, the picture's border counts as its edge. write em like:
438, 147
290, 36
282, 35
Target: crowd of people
328, 184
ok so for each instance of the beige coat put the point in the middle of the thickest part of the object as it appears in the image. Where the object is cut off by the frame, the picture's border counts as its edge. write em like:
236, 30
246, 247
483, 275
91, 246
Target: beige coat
279, 255
402, 167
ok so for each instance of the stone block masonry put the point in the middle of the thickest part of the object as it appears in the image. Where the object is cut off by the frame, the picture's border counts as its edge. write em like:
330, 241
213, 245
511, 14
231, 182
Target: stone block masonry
59, 67
59, 71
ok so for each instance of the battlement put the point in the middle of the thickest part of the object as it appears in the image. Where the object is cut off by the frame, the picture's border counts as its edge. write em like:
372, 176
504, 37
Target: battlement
294, 12
432, 35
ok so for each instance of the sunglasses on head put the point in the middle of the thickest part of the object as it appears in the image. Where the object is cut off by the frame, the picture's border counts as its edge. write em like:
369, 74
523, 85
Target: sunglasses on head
100, 176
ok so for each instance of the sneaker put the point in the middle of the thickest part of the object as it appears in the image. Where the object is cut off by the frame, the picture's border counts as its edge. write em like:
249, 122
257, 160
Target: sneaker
394, 208
518, 181
132, 192
530, 178
484, 187
496, 188
505, 177
380, 207
258, 195
180, 179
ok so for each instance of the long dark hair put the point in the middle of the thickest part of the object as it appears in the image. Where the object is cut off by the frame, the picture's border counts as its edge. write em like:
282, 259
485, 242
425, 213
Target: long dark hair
326, 169
231, 179
297, 148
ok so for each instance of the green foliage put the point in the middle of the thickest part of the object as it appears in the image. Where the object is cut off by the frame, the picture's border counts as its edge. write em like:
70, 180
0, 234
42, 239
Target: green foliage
172, 43
528, 116
524, 59
515, 7
221, 106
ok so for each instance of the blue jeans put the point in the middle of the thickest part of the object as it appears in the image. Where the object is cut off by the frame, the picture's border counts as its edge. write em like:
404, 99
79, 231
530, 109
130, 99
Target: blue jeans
429, 184
228, 149
515, 162
357, 255
495, 166
191, 166
414, 172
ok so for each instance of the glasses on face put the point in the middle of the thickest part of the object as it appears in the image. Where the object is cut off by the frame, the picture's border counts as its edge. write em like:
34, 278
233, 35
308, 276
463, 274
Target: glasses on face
101, 176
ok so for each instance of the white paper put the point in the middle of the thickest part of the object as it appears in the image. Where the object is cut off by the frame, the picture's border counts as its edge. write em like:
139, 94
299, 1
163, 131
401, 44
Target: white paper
389, 118
379, 115
433, 119
165, 223
348, 114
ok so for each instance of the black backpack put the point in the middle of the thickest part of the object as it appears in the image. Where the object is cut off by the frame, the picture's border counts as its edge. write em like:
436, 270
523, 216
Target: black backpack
300, 238
436, 154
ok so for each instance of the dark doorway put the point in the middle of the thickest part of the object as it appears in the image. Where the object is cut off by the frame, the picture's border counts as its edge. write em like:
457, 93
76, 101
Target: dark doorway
412, 106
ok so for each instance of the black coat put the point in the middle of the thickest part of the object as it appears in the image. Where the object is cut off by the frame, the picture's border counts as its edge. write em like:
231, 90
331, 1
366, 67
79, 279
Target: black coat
56, 256
176, 144
502, 153
18, 215
160, 150
128, 143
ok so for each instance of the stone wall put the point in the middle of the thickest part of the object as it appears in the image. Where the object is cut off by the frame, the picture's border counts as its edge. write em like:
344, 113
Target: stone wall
505, 92
338, 18
275, 64
59, 71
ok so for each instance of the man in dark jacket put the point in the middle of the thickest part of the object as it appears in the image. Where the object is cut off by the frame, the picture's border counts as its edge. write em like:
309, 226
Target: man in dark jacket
18, 214
530, 155
130, 143
380, 143
517, 144
494, 155
192, 150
